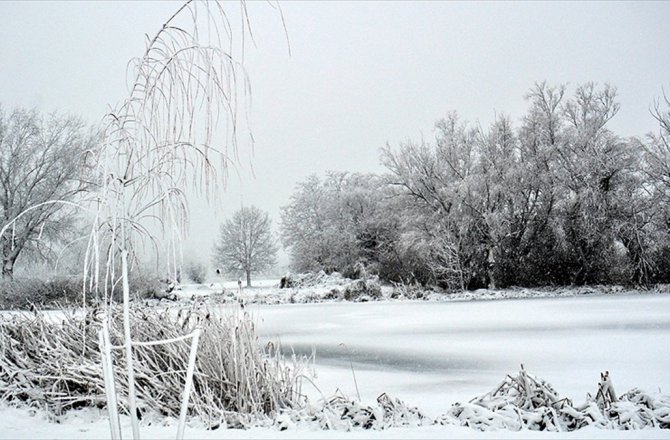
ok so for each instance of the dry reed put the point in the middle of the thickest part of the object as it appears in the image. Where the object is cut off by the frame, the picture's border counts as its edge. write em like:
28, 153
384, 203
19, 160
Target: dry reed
57, 365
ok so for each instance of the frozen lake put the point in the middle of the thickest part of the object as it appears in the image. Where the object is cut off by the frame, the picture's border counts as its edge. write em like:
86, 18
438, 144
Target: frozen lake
434, 354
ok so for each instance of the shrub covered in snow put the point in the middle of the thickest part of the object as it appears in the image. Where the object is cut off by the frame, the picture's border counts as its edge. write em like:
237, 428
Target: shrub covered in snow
312, 279
363, 290
27, 293
196, 271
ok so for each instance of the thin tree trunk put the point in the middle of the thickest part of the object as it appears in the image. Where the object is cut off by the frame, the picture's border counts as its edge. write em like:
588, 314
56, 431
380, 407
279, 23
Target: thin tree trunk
132, 405
490, 269
248, 278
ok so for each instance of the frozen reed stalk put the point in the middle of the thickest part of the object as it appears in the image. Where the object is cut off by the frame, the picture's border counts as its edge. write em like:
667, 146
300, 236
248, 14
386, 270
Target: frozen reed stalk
132, 397
110, 388
353, 373
189, 382
606, 395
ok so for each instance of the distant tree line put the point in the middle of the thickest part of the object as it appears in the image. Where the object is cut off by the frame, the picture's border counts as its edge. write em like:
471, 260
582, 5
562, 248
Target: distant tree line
555, 199
558, 199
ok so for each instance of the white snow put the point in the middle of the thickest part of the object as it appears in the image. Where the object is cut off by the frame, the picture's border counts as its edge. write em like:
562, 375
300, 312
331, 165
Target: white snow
25, 424
432, 354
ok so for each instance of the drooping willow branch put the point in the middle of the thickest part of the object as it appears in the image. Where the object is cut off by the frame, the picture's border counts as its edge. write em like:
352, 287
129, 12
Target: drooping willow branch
178, 131
160, 142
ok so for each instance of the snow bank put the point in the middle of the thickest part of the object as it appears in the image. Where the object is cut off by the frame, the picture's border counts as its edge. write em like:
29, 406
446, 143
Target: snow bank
321, 287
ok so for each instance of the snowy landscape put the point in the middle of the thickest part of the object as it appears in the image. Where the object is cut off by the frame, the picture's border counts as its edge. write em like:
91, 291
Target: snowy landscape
374, 249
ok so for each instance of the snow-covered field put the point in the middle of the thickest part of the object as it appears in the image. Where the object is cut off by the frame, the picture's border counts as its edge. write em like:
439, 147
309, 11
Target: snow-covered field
432, 354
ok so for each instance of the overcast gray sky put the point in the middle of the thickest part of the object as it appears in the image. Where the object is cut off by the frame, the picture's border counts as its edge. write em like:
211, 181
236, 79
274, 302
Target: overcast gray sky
361, 74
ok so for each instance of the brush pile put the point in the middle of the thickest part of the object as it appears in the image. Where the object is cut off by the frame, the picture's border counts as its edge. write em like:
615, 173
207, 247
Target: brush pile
55, 364
340, 413
312, 279
519, 402
320, 287
527, 402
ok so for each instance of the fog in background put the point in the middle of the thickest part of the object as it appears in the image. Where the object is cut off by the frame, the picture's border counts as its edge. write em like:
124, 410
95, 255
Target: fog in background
360, 74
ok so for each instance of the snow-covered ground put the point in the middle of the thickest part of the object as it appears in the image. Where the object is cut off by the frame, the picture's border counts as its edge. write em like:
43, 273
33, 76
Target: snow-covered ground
321, 287
432, 354
83, 425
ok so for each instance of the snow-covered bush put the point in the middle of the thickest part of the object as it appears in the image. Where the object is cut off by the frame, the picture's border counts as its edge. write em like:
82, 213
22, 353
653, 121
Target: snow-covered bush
196, 271
317, 287
312, 279
408, 291
25, 293
363, 290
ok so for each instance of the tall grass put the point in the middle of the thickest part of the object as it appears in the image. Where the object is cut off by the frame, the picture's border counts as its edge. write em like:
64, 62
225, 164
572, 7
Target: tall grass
236, 380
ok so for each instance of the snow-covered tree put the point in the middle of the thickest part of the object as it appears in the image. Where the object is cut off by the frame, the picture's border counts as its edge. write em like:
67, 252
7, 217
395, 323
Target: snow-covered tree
338, 223
650, 228
547, 202
246, 243
42, 159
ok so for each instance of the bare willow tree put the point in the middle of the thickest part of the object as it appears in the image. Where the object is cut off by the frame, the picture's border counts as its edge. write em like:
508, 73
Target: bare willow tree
187, 93
246, 243
41, 159
159, 142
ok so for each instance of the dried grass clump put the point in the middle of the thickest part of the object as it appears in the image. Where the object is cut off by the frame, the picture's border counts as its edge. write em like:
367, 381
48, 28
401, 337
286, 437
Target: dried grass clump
56, 364
363, 290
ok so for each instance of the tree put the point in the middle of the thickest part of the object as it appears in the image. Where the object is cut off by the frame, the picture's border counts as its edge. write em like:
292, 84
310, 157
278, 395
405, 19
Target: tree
42, 160
656, 168
550, 202
173, 133
446, 204
313, 243
246, 243
338, 224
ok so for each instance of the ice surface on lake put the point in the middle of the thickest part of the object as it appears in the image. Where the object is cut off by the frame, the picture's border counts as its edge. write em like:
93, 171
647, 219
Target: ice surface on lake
433, 354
